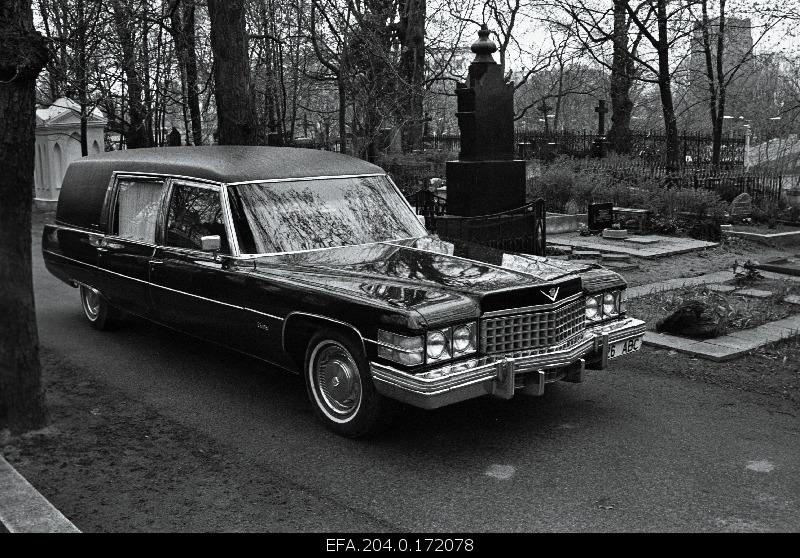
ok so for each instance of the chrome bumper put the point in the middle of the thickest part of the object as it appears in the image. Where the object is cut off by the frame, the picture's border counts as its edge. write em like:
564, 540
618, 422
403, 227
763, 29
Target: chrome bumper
501, 375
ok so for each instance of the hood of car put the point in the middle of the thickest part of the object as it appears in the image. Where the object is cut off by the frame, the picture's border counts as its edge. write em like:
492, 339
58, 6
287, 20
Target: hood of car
442, 281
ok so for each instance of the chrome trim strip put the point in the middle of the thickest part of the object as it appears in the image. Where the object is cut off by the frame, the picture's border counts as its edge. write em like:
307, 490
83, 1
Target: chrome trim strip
164, 287
303, 178
324, 318
165, 176
528, 309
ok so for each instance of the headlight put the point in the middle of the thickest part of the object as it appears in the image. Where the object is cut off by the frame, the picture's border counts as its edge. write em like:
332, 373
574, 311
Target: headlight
611, 303
438, 345
593, 308
464, 339
400, 348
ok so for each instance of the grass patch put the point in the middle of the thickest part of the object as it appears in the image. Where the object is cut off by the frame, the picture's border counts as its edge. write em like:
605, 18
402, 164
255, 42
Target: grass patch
736, 312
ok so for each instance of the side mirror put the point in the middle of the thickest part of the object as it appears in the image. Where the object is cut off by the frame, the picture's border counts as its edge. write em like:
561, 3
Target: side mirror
211, 243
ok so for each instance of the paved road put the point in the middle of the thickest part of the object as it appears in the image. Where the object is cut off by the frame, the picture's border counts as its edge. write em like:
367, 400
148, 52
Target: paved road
625, 450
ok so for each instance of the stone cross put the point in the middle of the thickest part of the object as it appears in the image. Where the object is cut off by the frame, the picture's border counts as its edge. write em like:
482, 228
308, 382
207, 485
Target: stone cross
601, 111
544, 108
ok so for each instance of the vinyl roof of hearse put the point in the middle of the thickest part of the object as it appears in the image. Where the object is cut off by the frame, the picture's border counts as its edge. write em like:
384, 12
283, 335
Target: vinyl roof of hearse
228, 163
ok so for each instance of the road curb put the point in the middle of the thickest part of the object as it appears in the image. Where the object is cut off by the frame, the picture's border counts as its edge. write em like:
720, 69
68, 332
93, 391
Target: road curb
24, 510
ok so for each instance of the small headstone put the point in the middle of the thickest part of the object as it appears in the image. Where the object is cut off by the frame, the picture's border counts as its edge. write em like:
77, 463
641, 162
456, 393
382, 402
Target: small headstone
792, 299
601, 216
754, 293
720, 288
615, 233
741, 206
726, 228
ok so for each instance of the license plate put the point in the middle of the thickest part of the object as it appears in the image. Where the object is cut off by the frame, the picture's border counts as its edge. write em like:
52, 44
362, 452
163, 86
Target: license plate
621, 348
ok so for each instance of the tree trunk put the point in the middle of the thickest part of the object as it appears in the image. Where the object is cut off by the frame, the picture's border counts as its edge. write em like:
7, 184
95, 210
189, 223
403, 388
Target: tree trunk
665, 89
342, 115
192, 94
23, 54
412, 70
136, 132
236, 117
182, 29
619, 135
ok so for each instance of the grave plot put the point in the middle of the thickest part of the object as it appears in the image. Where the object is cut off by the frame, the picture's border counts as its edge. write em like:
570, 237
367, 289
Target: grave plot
720, 321
725, 307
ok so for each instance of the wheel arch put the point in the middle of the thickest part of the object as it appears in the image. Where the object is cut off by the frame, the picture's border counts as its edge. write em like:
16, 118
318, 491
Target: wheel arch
301, 326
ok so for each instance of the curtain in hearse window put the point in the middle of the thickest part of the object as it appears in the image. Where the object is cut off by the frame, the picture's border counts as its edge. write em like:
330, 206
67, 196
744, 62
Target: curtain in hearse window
138, 202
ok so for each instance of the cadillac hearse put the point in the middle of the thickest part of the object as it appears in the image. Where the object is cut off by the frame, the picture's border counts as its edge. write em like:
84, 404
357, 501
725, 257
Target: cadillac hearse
315, 262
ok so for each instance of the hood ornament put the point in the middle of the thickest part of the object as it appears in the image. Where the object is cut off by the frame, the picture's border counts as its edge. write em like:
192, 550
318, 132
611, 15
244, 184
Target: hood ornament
552, 294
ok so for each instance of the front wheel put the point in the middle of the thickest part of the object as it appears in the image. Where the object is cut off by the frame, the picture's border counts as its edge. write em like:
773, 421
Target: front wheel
100, 314
340, 387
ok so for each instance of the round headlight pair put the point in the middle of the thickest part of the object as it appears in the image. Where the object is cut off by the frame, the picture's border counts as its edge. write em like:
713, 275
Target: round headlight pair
438, 345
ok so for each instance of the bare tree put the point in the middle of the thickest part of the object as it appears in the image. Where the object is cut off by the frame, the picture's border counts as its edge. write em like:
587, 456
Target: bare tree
182, 28
236, 118
23, 54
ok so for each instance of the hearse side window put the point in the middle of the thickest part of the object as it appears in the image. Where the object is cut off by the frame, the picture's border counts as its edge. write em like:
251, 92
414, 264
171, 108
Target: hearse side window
136, 210
195, 212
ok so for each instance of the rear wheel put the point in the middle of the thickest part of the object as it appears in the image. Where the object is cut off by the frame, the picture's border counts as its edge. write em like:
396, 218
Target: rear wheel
100, 314
339, 385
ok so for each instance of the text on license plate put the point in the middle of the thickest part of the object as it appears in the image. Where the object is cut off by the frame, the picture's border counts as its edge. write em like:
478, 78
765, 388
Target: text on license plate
624, 347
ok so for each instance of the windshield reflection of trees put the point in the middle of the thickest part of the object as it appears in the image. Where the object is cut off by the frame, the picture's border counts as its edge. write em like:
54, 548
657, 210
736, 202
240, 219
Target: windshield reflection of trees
324, 213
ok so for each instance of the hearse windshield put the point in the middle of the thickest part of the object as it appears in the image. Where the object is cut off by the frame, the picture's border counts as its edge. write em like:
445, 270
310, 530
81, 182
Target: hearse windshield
273, 217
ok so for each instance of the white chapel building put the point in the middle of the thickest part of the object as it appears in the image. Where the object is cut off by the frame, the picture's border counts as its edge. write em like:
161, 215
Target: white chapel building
58, 143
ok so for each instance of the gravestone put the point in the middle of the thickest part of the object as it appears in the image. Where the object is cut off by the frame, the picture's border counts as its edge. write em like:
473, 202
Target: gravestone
601, 216
486, 178
741, 207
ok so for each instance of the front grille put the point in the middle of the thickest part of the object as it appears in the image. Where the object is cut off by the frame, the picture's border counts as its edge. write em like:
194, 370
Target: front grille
535, 330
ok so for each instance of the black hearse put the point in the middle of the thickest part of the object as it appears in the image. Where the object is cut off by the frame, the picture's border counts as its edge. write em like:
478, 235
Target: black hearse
315, 262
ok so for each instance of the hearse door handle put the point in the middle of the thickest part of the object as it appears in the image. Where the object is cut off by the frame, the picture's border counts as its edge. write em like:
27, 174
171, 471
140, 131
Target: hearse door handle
156, 262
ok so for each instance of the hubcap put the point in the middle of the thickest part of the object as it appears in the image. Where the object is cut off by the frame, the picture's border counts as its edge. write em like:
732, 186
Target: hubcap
91, 302
336, 379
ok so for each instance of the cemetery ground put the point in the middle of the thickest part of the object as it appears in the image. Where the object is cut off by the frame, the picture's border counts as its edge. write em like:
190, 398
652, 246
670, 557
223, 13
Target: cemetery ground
154, 431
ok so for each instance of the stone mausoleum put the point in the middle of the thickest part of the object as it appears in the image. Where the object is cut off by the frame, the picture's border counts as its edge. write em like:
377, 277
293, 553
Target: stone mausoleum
58, 143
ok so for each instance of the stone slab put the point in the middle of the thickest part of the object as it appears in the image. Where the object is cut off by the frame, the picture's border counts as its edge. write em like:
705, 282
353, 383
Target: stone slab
754, 293
720, 288
586, 254
616, 257
785, 266
670, 284
642, 240
24, 510
792, 299
789, 238
665, 246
